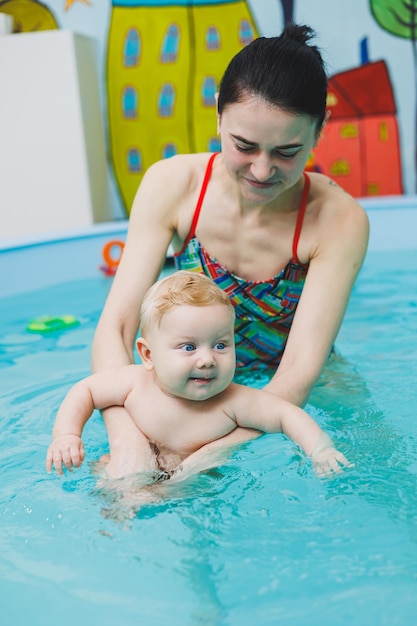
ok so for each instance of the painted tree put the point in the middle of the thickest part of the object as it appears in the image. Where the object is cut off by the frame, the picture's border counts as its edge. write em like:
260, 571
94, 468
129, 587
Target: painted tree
399, 18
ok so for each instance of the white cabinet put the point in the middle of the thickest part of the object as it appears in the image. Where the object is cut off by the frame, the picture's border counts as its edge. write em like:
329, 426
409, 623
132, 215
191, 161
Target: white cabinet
53, 173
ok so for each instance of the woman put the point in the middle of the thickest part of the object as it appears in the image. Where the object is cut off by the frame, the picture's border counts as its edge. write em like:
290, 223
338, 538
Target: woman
242, 217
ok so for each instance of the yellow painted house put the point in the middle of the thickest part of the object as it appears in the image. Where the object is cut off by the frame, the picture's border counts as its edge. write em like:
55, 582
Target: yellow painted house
165, 60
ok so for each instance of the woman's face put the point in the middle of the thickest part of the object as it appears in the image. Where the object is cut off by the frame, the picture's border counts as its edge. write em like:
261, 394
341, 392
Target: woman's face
264, 148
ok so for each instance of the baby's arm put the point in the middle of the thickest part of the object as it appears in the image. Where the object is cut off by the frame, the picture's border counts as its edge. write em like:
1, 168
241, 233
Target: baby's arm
66, 447
107, 388
268, 413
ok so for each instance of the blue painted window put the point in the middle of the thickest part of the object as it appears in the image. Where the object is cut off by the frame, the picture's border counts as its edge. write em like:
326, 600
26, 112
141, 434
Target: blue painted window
246, 33
214, 144
134, 160
130, 103
170, 45
212, 38
169, 150
132, 48
208, 92
166, 100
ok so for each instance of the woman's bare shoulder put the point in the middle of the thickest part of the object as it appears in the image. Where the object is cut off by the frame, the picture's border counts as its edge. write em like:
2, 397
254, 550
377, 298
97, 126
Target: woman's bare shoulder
326, 190
339, 217
182, 171
168, 189
333, 205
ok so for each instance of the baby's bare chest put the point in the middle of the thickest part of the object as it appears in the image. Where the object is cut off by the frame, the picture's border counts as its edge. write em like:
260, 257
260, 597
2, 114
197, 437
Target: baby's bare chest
176, 426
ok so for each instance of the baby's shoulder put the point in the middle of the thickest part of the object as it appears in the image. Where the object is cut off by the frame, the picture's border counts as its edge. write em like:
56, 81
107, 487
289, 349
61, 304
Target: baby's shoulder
239, 396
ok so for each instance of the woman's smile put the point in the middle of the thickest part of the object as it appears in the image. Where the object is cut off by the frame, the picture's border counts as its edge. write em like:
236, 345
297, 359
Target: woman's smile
258, 184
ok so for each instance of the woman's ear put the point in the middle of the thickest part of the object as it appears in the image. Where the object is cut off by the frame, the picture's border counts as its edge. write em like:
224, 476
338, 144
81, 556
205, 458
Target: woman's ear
326, 119
144, 351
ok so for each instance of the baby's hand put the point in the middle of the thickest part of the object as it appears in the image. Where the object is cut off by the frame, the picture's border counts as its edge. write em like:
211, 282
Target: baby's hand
329, 461
67, 450
326, 459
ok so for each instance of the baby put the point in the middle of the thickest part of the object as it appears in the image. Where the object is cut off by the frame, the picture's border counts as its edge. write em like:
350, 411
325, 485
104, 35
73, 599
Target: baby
182, 396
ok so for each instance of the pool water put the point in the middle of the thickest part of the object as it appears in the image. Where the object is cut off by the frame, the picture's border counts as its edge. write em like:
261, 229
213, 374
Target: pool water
260, 540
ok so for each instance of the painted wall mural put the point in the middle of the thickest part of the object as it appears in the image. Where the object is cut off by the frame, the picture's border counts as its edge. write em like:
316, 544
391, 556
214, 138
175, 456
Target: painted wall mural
161, 61
360, 147
164, 63
400, 19
29, 15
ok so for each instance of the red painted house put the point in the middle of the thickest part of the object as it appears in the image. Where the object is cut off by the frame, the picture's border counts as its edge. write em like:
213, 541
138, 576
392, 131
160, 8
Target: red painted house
360, 147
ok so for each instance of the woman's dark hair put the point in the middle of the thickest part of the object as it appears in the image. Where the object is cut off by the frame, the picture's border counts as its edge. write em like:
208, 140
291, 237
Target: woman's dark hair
285, 71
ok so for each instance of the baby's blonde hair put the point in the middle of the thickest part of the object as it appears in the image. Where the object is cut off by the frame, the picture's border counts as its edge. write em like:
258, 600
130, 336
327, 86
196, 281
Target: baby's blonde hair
180, 288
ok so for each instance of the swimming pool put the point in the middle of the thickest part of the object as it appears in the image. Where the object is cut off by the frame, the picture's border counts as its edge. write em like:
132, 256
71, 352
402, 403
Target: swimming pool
261, 540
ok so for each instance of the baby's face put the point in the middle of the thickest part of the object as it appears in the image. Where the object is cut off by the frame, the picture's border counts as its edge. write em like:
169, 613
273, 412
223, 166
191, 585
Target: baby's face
193, 351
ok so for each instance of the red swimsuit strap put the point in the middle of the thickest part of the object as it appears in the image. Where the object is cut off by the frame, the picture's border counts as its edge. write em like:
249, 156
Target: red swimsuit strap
300, 218
199, 202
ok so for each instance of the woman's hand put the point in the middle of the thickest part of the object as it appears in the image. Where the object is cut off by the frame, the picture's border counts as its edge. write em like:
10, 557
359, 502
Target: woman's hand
213, 454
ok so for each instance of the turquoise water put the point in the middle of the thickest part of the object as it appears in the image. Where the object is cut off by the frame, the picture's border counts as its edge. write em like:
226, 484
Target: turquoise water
259, 541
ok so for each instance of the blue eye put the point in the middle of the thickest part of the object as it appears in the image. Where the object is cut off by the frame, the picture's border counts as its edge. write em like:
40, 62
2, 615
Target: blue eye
188, 347
220, 345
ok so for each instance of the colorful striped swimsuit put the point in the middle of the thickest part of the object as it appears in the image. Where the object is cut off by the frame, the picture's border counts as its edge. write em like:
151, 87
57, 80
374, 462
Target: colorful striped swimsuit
264, 309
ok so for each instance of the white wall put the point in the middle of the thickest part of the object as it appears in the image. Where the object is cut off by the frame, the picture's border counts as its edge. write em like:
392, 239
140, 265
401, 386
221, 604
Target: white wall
53, 173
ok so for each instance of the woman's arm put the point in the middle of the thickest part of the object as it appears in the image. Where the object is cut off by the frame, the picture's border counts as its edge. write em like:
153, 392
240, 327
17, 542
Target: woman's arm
152, 223
151, 228
213, 454
335, 263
